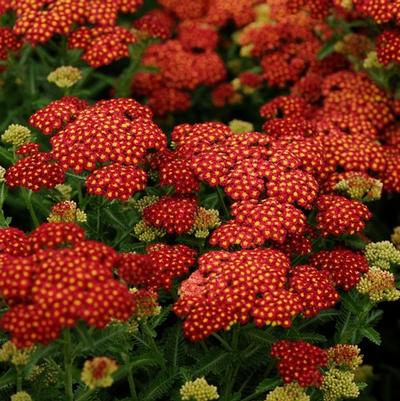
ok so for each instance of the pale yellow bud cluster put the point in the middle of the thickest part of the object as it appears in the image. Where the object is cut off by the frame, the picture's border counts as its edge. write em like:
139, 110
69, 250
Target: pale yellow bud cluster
17, 356
67, 212
65, 76
396, 237
379, 285
198, 390
98, 372
21, 396
2, 174
339, 384
382, 254
16, 135
36, 372
347, 4
205, 220
142, 203
65, 190
240, 126
371, 61
146, 233
288, 392
361, 188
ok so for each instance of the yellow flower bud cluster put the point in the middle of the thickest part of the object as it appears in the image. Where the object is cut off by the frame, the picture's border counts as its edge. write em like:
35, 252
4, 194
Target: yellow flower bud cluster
339, 384
205, 220
382, 254
345, 356
67, 212
21, 396
65, 76
379, 285
65, 190
97, 372
371, 61
288, 392
2, 174
361, 188
142, 203
17, 356
16, 135
198, 390
240, 126
36, 372
146, 233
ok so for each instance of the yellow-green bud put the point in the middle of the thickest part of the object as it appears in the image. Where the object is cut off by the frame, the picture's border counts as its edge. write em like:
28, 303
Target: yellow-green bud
65, 76
16, 135
240, 126
21, 396
2, 174
198, 390
288, 392
382, 254
339, 384
65, 190
396, 237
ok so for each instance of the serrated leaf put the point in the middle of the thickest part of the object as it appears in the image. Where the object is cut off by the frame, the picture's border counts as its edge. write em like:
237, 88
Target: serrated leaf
371, 334
268, 384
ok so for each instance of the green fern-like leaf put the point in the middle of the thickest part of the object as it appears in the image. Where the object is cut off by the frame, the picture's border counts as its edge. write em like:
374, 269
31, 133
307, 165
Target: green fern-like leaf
159, 386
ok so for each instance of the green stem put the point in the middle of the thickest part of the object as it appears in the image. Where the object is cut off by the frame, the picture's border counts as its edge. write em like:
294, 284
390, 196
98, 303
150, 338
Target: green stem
222, 341
222, 201
131, 381
19, 380
68, 365
27, 195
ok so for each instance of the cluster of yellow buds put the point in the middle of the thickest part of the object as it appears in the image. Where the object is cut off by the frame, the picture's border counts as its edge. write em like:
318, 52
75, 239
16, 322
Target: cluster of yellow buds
16, 135
17, 356
98, 372
240, 126
371, 61
205, 220
146, 233
360, 187
142, 203
339, 384
67, 212
65, 76
198, 390
21, 396
345, 355
347, 4
382, 254
65, 190
379, 285
288, 392
2, 174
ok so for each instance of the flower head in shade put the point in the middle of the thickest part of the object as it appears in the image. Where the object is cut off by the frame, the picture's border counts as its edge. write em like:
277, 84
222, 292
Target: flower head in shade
198, 390
338, 215
16, 135
300, 361
288, 392
382, 254
65, 76
395, 237
97, 372
21, 396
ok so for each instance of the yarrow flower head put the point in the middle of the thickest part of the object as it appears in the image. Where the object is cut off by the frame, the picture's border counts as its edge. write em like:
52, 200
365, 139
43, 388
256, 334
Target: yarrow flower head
395, 237
300, 361
198, 390
288, 392
21, 396
67, 212
2, 174
65, 76
49, 286
205, 220
345, 356
382, 254
379, 285
97, 372
360, 186
17, 356
339, 384
16, 135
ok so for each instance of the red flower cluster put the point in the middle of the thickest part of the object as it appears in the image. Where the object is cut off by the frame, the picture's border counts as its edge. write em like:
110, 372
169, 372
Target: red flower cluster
8, 42
338, 215
158, 267
300, 361
234, 287
56, 279
117, 131
175, 214
155, 23
388, 46
180, 69
344, 266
